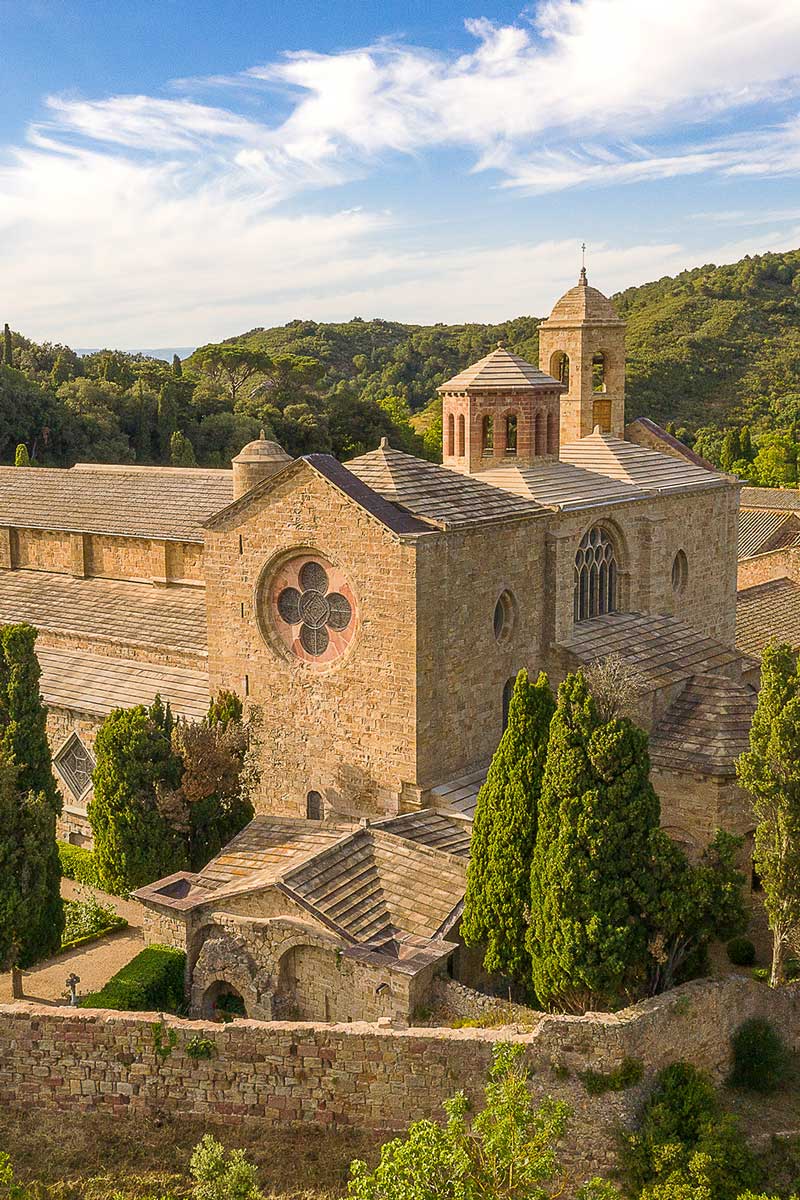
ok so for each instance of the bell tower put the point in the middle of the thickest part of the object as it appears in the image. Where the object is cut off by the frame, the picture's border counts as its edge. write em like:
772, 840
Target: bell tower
582, 344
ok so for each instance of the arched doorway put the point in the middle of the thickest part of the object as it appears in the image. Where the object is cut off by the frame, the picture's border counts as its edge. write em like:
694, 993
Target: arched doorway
223, 1002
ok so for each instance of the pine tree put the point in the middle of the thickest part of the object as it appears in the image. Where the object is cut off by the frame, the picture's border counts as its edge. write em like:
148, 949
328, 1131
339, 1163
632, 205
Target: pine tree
8, 348
21, 456
177, 366
181, 451
590, 873
770, 771
134, 843
504, 832
31, 912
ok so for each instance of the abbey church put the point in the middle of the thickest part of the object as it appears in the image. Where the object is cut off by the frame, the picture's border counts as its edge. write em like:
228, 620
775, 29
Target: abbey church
377, 612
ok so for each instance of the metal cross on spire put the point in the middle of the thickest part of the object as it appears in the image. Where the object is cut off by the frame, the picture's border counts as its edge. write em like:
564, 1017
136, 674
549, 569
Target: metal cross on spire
583, 264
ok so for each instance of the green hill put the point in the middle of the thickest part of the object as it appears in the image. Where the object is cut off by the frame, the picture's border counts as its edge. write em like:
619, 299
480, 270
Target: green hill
713, 349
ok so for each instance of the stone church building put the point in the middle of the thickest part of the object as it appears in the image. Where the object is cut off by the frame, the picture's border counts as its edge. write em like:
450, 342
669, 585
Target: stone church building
377, 613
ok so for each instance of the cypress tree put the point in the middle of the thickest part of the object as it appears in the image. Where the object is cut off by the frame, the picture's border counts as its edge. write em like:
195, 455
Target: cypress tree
226, 707
8, 348
177, 366
747, 445
31, 912
731, 450
590, 874
167, 418
21, 456
504, 833
181, 451
134, 843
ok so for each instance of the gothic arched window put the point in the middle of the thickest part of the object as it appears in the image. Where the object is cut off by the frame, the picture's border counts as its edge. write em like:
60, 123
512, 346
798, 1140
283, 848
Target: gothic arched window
488, 435
511, 433
461, 436
451, 435
314, 806
595, 576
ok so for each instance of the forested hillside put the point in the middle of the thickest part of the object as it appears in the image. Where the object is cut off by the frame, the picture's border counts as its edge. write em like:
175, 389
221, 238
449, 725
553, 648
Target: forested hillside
710, 351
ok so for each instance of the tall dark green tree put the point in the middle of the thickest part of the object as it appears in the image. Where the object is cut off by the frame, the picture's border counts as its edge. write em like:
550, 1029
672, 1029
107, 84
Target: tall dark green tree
504, 833
8, 347
731, 449
134, 842
177, 366
747, 452
181, 451
167, 418
591, 863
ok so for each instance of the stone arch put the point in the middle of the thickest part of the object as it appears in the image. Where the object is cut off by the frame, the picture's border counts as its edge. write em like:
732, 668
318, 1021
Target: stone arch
599, 369
512, 432
487, 435
216, 992
462, 436
559, 367
308, 983
450, 448
601, 575
224, 960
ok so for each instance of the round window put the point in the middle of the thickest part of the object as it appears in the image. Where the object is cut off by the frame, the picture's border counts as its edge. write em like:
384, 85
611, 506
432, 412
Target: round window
680, 572
309, 605
504, 617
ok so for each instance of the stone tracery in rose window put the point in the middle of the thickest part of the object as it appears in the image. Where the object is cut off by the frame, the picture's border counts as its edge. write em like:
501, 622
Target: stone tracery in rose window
312, 609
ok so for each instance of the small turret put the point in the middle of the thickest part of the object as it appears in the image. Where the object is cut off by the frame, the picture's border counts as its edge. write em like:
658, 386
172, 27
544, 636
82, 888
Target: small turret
256, 461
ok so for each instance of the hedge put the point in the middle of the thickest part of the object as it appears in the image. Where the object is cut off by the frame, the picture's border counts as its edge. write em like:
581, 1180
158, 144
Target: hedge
78, 864
150, 982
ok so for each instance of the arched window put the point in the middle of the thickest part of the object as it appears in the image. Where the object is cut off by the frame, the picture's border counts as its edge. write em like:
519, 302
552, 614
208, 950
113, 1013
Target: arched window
451, 435
559, 367
552, 432
599, 372
488, 435
511, 433
508, 692
461, 436
314, 806
680, 572
540, 434
595, 576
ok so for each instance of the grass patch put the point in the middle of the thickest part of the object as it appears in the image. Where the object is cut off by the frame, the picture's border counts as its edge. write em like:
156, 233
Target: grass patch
497, 1018
93, 1156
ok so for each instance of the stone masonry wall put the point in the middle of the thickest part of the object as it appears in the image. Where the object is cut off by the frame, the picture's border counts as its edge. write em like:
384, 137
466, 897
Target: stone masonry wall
775, 564
368, 1076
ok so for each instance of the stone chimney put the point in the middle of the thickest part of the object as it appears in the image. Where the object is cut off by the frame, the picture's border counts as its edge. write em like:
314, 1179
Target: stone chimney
256, 461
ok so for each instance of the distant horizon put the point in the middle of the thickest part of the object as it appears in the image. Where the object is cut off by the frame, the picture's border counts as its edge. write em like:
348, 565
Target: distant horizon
434, 162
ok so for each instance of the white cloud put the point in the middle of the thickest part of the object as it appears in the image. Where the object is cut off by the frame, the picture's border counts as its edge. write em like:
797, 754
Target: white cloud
150, 220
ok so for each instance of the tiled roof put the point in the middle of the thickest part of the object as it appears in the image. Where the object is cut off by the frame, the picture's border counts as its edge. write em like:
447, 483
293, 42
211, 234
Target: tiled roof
264, 850
430, 828
147, 502
460, 796
439, 495
136, 614
765, 612
583, 303
562, 485
662, 649
500, 371
372, 887
762, 529
706, 728
609, 455
787, 499
672, 445
94, 683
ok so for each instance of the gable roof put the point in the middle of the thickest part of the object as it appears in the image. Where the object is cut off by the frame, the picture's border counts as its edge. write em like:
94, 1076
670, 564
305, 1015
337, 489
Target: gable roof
562, 485
609, 455
441, 496
501, 371
97, 683
765, 612
706, 728
763, 529
786, 499
166, 503
667, 443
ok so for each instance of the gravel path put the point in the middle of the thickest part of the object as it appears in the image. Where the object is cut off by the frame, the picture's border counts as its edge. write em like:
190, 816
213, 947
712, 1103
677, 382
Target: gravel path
94, 963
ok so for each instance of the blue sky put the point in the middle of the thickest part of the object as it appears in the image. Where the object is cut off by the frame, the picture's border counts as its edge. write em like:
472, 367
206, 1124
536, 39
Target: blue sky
173, 173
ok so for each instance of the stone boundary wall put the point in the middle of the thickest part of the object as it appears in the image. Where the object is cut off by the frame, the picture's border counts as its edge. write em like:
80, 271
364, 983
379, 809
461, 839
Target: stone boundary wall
376, 1077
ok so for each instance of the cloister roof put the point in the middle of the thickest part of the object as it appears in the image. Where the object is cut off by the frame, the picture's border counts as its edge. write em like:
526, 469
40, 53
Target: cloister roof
766, 612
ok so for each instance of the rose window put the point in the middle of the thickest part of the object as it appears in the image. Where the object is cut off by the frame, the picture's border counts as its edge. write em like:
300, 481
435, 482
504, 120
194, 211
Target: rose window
312, 608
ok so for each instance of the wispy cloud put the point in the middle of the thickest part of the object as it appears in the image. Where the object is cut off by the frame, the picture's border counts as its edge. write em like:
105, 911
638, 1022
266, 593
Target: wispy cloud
158, 218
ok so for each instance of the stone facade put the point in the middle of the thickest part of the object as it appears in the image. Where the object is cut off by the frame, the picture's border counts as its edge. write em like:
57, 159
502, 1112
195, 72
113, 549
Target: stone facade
368, 1076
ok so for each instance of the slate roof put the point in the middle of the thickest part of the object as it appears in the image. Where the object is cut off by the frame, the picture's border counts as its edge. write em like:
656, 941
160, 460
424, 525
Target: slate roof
96, 683
430, 828
763, 529
168, 503
609, 455
662, 649
438, 495
500, 371
706, 728
562, 485
263, 851
106, 610
765, 612
672, 444
460, 795
787, 499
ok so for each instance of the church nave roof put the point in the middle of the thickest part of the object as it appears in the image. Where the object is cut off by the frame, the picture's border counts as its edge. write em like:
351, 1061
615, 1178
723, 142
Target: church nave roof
604, 454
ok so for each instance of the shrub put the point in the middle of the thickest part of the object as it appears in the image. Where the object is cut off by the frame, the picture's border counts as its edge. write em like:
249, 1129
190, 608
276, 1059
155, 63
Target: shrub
761, 974
78, 863
150, 982
741, 952
221, 1176
627, 1074
759, 1056
87, 919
